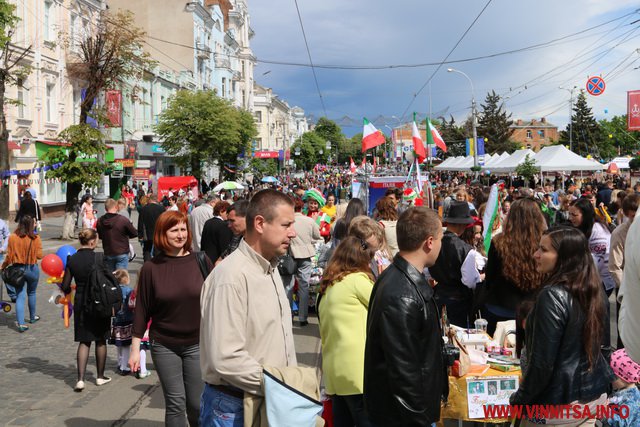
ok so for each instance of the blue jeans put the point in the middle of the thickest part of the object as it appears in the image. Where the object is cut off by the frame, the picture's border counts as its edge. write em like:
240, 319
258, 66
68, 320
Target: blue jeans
179, 372
114, 262
218, 409
304, 267
27, 292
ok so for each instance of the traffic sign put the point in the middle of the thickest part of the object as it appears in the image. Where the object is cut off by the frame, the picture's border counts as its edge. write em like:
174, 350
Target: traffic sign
595, 85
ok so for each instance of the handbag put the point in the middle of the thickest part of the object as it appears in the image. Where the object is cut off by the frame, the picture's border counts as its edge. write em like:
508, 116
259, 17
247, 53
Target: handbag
287, 265
14, 274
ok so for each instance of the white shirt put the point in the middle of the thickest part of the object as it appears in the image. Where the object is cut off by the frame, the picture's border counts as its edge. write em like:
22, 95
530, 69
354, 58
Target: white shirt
470, 274
198, 217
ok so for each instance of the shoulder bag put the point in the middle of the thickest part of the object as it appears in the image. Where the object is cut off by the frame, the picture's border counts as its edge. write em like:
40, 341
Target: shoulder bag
14, 274
287, 265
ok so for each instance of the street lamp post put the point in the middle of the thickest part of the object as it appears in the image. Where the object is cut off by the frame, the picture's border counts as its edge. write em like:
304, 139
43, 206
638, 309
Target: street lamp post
473, 119
328, 146
570, 90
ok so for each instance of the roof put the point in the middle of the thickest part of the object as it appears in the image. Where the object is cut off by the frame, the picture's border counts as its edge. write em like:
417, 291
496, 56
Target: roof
532, 124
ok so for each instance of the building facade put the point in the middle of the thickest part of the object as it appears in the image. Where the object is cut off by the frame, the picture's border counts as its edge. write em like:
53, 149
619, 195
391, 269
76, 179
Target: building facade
534, 134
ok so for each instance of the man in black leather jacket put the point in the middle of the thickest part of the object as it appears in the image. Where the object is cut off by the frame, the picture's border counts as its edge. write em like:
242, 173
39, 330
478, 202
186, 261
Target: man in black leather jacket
404, 372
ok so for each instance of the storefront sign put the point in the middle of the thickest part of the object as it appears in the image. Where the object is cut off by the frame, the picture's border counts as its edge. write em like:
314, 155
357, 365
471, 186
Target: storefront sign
141, 174
43, 147
143, 164
266, 154
127, 163
117, 166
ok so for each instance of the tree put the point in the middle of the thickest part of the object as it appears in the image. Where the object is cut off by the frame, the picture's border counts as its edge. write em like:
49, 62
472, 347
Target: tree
109, 54
586, 131
200, 127
494, 125
350, 148
264, 167
616, 140
454, 136
309, 145
527, 169
11, 73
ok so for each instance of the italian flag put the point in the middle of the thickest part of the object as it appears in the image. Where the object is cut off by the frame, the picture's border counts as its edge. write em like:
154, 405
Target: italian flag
371, 137
491, 216
418, 145
352, 165
433, 137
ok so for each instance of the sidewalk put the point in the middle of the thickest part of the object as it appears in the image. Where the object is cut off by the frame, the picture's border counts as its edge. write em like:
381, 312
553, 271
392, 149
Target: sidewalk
38, 367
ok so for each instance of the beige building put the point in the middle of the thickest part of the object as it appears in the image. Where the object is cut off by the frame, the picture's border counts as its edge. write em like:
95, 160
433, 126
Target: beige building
48, 100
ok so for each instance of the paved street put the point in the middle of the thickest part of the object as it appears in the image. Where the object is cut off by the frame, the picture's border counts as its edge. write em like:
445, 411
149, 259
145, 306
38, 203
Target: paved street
38, 369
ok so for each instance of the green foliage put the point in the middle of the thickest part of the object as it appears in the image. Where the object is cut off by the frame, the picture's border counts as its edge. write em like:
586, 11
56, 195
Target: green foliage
8, 20
494, 125
264, 167
634, 164
309, 145
616, 137
454, 137
587, 137
528, 168
85, 142
350, 148
200, 126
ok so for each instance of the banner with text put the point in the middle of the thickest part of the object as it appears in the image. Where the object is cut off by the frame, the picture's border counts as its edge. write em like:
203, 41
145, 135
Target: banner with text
633, 110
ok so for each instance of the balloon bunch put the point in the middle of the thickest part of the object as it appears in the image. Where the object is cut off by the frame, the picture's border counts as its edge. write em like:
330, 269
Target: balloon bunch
54, 266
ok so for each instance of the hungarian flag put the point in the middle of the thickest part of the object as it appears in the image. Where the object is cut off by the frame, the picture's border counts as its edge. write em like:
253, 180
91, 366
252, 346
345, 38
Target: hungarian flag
433, 137
352, 165
371, 137
418, 146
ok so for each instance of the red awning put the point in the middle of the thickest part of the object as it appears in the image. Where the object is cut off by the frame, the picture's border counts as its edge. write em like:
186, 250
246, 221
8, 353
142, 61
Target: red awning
54, 143
265, 154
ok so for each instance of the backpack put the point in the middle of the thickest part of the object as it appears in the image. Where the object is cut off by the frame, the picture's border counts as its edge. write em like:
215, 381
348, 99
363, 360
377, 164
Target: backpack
103, 295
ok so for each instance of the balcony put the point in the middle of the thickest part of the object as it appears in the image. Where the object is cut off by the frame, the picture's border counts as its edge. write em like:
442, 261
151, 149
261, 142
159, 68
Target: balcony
202, 51
222, 62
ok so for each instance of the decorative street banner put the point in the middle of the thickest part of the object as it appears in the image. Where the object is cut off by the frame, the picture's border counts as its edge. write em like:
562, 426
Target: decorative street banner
113, 100
633, 110
90, 120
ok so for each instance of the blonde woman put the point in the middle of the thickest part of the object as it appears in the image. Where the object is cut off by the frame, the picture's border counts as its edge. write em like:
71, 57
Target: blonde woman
369, 231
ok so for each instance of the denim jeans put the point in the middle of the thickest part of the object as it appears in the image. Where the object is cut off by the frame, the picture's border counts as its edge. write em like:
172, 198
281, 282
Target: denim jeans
218, 409
27, 292
114, 262
304, 267
179, 372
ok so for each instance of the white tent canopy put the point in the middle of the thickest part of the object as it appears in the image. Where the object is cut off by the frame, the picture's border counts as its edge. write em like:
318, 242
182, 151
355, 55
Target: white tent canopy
557, 158
510, 163
450, 162
495, 159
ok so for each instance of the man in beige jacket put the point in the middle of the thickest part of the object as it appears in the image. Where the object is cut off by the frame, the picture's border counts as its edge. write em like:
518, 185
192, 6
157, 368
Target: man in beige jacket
302, 250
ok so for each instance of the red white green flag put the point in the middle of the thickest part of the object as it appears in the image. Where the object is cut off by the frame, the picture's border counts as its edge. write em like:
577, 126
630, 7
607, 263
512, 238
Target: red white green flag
371, 137
433, 137
418, 145
352, 165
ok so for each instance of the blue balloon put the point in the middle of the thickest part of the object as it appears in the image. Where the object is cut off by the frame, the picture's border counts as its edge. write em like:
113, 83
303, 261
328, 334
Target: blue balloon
64, 252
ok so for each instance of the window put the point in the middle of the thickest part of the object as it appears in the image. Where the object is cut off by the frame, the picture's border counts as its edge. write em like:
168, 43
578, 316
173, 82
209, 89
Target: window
258, 116
76, 105
50, 102
224, 87
23, 102
48, 20
541, 133
258, 143
529, 134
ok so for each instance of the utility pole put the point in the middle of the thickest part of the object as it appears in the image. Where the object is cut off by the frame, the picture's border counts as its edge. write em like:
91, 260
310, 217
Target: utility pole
570, 114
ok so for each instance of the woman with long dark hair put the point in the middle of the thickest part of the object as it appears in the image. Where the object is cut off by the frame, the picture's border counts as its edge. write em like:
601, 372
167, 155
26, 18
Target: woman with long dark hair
582, 215
565, 330
510, 273
345, 290
25, 248
355, 208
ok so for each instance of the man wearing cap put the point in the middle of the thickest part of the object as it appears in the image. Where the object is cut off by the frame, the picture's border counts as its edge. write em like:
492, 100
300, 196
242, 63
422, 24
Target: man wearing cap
455, 269
199, 216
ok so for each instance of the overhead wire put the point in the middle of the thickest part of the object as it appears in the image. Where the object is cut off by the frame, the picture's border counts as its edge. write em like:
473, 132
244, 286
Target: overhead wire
415, 95
306, 43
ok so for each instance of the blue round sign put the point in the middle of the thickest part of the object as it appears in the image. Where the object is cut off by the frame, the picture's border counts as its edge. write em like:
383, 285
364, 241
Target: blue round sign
596, 85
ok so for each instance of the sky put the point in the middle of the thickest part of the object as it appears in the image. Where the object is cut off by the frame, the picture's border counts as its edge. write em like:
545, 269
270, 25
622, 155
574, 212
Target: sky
375, 33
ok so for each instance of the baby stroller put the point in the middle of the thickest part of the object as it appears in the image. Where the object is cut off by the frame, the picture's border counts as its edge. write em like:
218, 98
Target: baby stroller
5, 305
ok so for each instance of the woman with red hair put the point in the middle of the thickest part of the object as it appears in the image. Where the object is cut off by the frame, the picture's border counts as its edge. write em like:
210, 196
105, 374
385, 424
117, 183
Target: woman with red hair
169, 288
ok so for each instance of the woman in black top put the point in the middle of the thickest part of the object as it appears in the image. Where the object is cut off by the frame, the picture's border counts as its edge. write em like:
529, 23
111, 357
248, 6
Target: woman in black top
510, 273
86, 329
29, 206
565, 330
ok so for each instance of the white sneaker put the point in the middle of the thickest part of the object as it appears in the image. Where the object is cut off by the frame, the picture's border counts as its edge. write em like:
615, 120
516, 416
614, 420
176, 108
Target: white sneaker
140, 375
103, 381
79, 386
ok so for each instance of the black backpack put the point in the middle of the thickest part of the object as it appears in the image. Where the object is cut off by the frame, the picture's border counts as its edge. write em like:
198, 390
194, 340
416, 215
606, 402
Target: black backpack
103, 295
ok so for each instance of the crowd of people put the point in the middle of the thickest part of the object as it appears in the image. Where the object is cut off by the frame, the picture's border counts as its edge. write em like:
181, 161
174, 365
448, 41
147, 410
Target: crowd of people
225, 274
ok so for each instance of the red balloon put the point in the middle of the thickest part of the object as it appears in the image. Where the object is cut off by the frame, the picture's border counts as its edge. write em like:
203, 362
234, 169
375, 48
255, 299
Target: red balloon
52, 265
